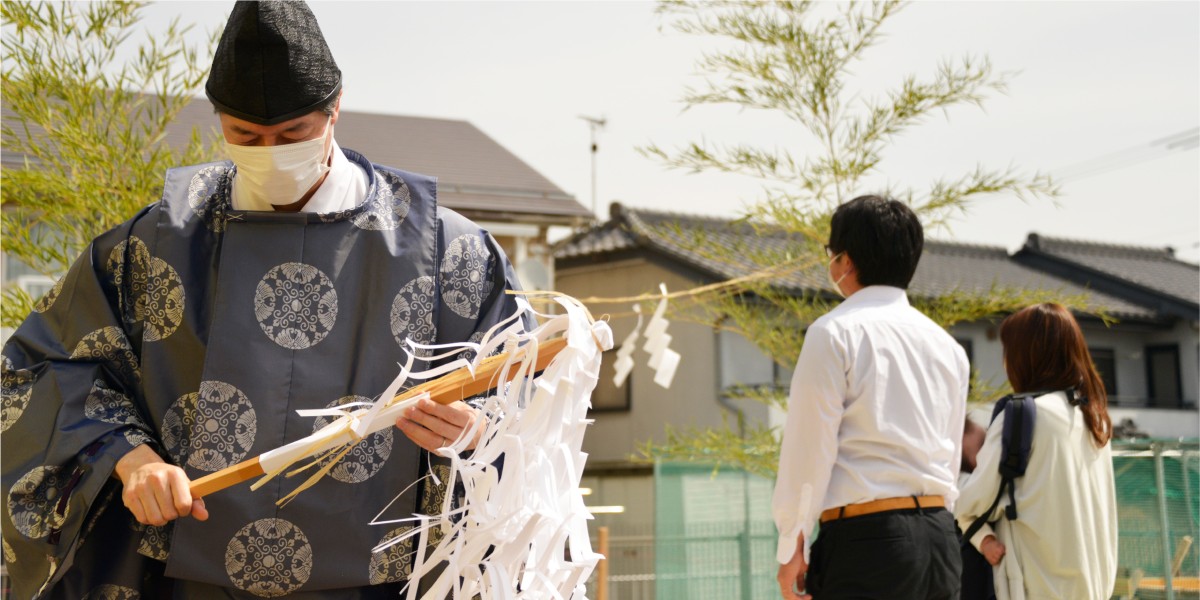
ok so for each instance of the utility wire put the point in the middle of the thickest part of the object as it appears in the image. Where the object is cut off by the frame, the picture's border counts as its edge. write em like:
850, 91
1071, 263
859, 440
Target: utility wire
1182, 141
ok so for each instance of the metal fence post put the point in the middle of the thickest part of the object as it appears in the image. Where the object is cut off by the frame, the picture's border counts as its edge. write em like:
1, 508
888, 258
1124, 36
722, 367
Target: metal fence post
1161, 483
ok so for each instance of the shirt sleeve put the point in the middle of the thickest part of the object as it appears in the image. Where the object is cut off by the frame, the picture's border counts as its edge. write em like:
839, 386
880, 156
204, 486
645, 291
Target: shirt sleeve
809, 447
958, 424
980, 490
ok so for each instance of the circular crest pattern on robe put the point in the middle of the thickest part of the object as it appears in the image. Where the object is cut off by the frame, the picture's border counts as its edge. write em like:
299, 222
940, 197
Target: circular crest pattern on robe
16, 388
211, 429
296, 305
32, 500
465, 281
156, 295
108, 591
386, 208
433, 494
208, 195
155, 540
110, 406
412, 312
367, 457
46, 301
109, 344
395, 563
269, 558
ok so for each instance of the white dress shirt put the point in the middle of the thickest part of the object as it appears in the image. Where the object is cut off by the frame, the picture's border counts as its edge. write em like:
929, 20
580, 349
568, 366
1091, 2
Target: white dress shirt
345, 187
876, 411
1064, 541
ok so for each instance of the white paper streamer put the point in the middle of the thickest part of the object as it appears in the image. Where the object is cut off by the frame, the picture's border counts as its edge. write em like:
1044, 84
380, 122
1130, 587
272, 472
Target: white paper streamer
520, 531
663, 360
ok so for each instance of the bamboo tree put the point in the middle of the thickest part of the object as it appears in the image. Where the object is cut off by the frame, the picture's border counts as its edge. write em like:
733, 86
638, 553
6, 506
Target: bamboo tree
91, 132
795, 59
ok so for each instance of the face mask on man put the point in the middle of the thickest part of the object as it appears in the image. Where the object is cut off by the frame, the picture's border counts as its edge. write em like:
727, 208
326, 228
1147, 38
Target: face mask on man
829, 275
277, 175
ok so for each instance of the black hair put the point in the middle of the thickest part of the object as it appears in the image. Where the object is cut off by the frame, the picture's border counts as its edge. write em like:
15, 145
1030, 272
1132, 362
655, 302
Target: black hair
882, 237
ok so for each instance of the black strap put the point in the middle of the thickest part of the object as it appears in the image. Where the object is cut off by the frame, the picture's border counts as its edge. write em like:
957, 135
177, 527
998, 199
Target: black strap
977, 524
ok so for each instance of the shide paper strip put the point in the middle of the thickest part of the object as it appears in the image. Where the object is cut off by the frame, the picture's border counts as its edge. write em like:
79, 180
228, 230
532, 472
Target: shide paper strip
663, 360
520, 531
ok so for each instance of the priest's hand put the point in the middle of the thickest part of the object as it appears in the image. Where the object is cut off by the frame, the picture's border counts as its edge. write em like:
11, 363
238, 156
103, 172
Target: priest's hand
431, 425
155, 491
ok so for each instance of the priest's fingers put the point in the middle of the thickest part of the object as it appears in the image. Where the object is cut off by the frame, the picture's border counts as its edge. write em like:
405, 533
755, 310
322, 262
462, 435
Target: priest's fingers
420, 435
181, 494
447, 421
150, 493
199, 511
436, 418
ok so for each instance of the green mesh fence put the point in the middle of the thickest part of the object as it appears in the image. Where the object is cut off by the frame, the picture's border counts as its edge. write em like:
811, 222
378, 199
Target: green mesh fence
1158, 489
714, 537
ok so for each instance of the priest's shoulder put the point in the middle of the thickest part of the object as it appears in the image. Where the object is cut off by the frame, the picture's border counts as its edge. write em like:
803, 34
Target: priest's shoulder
422, 187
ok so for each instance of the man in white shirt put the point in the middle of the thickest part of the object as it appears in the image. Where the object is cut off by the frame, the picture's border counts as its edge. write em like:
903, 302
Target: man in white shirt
872, 443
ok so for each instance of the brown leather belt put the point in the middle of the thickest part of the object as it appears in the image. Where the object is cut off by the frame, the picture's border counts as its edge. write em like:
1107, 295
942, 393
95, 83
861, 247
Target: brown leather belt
877, 506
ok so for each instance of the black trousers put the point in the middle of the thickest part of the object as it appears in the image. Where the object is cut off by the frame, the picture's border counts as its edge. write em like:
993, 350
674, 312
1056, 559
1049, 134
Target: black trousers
901, 554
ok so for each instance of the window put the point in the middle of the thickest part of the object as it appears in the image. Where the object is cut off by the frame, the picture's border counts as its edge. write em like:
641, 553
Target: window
1162, 376
607, 396
36, 285
1105, 360
968, 346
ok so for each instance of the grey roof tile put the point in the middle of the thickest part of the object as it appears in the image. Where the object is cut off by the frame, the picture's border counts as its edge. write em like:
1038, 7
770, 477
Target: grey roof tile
1153, 268
944, 266
475, 173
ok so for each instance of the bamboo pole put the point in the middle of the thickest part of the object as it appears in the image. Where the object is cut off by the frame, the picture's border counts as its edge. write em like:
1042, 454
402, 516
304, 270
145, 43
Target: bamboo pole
451, 387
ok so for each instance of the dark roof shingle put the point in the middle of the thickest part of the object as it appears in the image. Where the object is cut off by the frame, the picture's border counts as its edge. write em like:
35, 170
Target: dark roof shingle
476, 175
1154, 268
944, 266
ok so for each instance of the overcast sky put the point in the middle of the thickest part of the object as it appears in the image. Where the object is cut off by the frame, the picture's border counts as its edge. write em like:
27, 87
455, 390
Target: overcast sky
1096, 85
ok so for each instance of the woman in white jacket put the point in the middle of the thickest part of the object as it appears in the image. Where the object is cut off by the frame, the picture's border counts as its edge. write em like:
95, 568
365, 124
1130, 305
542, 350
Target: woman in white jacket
1063, 543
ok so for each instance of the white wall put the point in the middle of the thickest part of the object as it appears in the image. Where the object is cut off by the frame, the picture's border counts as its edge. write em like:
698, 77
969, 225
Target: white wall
1128, 343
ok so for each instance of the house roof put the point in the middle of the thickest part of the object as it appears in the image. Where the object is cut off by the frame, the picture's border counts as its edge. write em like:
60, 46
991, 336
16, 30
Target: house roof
944, 266
476, 175
1154, 269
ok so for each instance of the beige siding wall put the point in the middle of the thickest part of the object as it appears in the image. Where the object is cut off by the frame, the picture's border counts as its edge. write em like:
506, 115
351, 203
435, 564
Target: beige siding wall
691, 399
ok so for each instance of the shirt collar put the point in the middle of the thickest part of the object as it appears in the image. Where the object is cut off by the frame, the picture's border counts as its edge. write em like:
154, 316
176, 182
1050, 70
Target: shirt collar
877, 295
345, 186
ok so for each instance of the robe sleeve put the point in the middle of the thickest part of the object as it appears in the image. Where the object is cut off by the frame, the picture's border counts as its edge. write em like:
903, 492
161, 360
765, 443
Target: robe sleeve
71, 390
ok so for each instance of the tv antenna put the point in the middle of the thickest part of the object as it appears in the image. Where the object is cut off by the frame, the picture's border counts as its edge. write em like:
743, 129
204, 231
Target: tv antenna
595, 124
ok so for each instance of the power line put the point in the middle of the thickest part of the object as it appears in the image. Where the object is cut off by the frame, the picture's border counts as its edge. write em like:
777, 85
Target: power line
1182, 141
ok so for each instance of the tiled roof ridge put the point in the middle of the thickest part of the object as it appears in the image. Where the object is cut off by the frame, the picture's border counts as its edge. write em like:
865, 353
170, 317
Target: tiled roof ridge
954, 246
642, 213
1047, 243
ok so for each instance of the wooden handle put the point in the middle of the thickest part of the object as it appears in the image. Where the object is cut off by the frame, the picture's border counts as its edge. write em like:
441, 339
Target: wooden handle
449, 388
243, 471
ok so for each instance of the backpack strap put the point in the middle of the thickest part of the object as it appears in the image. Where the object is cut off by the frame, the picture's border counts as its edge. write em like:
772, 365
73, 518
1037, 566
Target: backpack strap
1016, 442
1020, 414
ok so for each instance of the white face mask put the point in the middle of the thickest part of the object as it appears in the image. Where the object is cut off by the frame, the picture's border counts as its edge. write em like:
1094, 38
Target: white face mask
277, 175
829, 274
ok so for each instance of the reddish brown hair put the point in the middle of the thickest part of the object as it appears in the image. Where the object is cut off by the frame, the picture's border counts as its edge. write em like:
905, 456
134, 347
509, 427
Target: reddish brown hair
1044, 350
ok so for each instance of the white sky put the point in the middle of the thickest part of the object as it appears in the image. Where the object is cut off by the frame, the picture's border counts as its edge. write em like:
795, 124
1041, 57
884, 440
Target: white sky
1096, 79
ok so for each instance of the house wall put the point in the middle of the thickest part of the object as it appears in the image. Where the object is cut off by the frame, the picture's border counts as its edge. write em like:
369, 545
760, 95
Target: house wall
1128, 342
692, 399
712, 360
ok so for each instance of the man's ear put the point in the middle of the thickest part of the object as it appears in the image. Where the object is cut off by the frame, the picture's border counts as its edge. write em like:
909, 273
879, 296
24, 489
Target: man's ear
337, 108
851, 268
